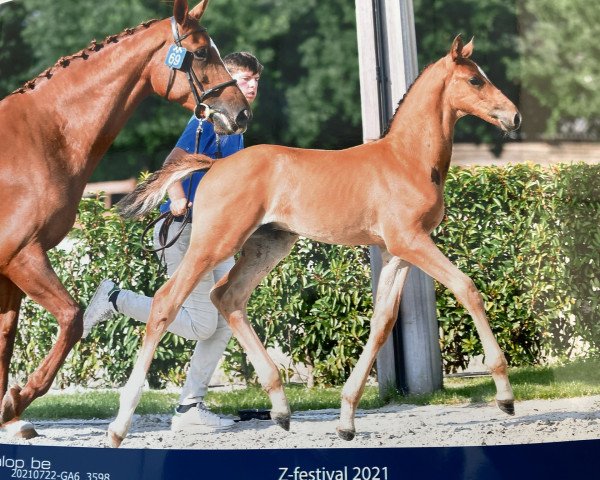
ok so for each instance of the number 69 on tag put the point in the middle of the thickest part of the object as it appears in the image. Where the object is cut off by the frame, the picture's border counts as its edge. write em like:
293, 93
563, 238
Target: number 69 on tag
175, 56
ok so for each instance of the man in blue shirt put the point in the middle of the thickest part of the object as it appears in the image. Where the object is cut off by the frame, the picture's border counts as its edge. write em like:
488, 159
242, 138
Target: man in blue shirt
198, 319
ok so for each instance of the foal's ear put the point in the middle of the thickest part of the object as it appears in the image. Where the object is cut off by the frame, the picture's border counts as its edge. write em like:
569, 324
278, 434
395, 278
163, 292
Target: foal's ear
180, 10
456, 48
467, 50
198, 10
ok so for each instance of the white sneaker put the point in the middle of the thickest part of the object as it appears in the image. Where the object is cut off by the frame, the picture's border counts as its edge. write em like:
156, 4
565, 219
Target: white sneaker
199, 418
99, 309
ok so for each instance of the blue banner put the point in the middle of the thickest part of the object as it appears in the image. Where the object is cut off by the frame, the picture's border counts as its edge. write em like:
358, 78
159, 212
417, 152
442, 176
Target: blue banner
548, 461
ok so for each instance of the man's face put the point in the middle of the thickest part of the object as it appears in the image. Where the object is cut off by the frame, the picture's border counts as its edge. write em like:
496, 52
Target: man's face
248, 83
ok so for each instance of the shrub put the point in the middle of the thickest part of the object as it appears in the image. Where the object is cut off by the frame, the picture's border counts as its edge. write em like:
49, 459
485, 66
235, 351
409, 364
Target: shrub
528, 236
316, 307
101, 246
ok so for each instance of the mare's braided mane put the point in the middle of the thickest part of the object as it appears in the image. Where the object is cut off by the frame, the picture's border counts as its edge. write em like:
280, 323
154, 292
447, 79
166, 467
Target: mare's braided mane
94, 46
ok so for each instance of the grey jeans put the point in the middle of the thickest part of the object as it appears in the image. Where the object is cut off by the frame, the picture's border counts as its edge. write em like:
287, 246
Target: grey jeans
198, 318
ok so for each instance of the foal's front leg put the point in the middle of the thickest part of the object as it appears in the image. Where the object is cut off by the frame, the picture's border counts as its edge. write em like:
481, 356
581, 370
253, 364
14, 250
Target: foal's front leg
389, 290
166, 304
132, 391
423, 253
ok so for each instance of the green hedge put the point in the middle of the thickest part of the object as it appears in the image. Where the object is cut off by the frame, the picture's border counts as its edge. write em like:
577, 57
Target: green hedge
528, 236
316, 306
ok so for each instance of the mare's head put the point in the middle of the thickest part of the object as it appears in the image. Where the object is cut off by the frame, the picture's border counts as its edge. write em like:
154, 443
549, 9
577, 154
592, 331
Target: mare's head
470, 91
201, 83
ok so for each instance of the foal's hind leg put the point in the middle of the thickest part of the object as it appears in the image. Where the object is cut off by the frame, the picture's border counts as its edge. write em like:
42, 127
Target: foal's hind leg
167, 302
259, 255
389, 290
424, 254
31, 271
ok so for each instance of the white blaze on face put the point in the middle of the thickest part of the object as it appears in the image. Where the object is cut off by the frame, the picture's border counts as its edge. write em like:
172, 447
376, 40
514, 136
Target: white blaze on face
214, 45
483, 74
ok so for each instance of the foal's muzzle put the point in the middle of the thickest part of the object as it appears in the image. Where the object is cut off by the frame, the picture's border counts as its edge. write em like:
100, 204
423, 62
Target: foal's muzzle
517, 120
509, 121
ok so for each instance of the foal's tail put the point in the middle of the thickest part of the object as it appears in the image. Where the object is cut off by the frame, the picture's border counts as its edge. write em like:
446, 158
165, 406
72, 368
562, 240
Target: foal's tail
148, 194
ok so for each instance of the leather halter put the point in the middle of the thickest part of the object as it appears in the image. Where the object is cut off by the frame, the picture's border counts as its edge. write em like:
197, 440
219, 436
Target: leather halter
193, 80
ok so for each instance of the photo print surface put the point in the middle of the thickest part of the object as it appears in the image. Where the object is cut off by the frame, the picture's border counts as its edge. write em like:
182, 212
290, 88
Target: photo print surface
325, 182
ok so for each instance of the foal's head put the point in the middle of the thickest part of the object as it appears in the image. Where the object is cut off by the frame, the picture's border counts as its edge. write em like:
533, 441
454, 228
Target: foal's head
470, 91
225, 105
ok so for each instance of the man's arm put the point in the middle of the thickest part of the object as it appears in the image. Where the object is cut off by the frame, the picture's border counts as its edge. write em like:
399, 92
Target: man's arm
179, 202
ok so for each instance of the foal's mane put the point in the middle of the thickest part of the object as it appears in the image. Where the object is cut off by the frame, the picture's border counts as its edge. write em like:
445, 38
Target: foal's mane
94, 46
389, 125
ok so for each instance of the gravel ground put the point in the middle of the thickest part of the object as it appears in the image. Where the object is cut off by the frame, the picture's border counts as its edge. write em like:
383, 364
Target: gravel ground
536, 421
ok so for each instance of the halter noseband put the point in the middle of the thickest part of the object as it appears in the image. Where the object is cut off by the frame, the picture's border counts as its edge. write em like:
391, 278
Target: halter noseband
191, 75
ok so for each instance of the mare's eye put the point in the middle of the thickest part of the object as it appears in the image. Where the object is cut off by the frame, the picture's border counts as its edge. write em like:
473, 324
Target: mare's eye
201, 53
476, 81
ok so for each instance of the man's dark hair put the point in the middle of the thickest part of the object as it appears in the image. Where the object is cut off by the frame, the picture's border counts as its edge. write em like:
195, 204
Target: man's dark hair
243, 61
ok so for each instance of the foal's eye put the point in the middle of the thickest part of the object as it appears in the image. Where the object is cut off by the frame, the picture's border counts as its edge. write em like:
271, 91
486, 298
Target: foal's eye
476, 81
201, 53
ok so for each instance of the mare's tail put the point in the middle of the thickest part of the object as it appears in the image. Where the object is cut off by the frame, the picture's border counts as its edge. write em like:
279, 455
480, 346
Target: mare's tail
148, 194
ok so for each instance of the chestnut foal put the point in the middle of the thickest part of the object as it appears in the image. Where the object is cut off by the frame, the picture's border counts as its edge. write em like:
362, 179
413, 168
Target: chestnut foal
387, 193
54, 131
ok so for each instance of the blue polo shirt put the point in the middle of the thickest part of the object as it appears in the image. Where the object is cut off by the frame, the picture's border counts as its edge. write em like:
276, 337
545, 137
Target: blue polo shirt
229, 144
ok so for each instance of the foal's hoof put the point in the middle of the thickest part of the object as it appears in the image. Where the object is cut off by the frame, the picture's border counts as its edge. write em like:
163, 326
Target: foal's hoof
113, 439
20, 429
10, 404
345, 434
507, 406
281, 419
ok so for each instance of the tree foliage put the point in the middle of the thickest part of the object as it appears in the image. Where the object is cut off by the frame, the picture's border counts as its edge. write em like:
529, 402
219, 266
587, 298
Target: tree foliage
15, 53
309, 93
541, 52
559, 64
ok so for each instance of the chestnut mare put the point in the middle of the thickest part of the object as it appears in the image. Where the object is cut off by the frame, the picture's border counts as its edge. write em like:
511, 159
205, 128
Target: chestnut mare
387, 193
54, 131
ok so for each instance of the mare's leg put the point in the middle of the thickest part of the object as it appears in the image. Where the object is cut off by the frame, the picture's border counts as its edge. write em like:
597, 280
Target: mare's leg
10, 302
32, 273
259, 255
389, 290
424, 254
198, 260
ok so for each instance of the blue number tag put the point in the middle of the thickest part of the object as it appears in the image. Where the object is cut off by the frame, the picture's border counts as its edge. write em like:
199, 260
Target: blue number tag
175, 56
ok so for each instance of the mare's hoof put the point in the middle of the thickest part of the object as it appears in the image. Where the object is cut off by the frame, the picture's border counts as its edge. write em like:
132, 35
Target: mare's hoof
281, 419
507, 406
20, 429
10, 403
113, 439
345, 434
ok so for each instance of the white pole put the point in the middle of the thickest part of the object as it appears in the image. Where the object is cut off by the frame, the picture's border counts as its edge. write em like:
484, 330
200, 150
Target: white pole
411, 358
